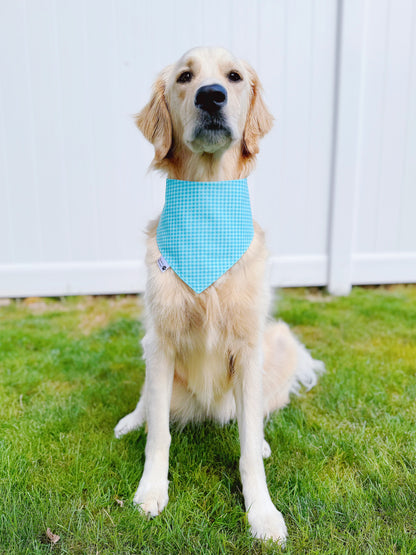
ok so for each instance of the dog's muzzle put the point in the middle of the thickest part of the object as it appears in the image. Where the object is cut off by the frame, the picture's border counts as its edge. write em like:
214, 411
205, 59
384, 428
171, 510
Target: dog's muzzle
212, 130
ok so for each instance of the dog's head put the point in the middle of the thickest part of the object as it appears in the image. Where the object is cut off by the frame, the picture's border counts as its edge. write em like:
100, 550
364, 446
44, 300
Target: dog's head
206, 102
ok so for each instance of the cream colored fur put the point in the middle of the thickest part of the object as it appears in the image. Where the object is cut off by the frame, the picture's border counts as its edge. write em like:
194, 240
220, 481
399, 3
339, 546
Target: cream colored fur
217, 354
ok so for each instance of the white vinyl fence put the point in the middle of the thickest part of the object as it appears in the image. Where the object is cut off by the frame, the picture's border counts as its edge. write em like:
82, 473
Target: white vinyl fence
335, 186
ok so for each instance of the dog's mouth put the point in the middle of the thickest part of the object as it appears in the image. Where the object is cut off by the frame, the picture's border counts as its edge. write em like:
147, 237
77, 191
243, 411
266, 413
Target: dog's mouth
215, 123
211, 133
212, 122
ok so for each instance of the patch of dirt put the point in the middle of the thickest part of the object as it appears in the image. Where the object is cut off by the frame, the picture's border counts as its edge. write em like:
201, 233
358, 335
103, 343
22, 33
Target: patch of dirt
92, 321
97, 312
319, 298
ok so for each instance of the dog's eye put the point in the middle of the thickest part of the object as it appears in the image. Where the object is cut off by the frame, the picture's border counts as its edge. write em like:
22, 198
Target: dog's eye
184, 77
234, 76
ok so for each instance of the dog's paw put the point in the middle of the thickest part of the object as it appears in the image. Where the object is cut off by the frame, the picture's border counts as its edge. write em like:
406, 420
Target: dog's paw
151, 499
126, 425
267, 523
266, 452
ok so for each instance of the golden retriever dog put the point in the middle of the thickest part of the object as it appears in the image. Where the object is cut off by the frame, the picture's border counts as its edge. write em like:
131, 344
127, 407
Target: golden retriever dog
215, 354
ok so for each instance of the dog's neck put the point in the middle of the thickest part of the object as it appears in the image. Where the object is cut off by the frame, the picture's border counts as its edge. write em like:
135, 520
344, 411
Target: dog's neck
220, 166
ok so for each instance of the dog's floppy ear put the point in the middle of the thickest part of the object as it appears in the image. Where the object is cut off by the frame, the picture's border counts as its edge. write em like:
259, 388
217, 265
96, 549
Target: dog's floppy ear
154, 120
259, 119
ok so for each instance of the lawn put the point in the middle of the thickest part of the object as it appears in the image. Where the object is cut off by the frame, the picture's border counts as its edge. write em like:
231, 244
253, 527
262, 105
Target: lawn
343, 464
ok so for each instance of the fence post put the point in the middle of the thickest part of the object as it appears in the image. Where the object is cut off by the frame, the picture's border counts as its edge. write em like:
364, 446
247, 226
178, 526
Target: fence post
348, 92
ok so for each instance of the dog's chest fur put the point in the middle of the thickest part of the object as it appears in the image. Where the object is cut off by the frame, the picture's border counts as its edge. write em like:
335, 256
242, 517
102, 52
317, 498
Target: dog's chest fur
210, 331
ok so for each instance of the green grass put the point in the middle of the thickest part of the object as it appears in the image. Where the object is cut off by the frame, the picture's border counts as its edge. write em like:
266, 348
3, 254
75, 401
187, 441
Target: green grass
343, 464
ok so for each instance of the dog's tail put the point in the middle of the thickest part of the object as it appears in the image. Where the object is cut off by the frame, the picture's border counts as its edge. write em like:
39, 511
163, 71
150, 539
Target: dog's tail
288, 367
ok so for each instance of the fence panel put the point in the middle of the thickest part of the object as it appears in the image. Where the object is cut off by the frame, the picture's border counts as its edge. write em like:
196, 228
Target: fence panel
335, 187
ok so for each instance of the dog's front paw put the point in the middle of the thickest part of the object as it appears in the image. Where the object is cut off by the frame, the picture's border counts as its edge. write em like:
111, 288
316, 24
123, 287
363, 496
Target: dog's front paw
127, 424
151, 498
267, 523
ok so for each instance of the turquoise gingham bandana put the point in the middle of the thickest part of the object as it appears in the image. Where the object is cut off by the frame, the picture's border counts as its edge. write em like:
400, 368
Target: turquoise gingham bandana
204, 229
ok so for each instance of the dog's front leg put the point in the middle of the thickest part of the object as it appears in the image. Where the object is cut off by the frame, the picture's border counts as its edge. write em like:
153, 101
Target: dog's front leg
152, 493
266, 522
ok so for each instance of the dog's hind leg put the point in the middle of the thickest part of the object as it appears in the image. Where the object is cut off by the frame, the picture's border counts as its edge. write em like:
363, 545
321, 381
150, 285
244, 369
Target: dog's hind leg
266, 451
287, 367
134, 420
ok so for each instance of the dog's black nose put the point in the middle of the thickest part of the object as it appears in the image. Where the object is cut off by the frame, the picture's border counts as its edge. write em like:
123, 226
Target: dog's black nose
211, 98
